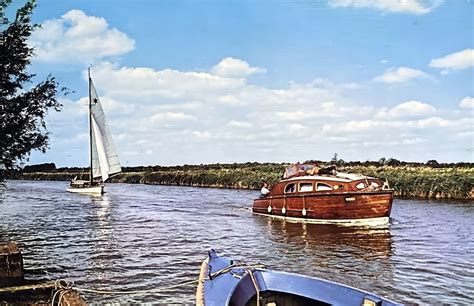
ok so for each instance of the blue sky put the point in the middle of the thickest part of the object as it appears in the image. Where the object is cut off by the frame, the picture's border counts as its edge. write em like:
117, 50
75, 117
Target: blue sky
234, 81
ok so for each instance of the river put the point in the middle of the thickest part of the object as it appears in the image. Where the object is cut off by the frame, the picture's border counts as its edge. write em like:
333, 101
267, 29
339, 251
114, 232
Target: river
139, 237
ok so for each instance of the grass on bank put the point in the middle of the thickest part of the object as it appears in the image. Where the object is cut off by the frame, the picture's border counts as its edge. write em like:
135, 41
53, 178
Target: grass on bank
407, 180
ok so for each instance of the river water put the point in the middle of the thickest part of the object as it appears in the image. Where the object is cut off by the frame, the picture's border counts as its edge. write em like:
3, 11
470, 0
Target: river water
139, 237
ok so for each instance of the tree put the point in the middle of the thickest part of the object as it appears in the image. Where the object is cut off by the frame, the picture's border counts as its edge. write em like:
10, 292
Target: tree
393, 162
336, 161
23, 106
432, 163
46, 167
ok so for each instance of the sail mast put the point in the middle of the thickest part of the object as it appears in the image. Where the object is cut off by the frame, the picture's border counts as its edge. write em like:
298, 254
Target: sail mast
90, 126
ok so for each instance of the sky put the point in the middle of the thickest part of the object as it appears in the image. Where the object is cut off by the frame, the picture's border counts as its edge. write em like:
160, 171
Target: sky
196, 82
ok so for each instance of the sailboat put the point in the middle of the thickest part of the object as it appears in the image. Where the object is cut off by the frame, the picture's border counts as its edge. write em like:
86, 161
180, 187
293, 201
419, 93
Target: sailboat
104, 161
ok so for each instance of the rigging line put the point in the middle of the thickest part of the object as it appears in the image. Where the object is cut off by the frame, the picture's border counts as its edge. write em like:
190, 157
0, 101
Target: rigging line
138, 291
238, 266
246, 267
62, 285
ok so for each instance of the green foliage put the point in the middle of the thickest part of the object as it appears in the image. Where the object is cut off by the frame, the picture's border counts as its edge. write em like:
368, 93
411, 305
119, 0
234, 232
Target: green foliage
407, 181
425, 182
23, 106
47, 167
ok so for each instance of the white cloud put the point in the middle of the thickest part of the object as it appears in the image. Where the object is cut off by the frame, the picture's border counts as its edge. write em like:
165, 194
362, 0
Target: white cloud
385, 126
230, 100
399, 75
397, 6
146, 84
239, 124
296, 127
171, 116
467, 102
77, 37
455, 61
391, 143
353, 86
408, 109
201, 135
222, 119
235, 68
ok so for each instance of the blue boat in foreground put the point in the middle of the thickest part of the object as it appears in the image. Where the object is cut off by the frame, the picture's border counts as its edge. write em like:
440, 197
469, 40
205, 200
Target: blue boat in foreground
227, 282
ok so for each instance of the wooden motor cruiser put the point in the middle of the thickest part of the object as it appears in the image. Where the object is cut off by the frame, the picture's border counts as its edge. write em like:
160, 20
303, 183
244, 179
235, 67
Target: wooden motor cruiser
310, 194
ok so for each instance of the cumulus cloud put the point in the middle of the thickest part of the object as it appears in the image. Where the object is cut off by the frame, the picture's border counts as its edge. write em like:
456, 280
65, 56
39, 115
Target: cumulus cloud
223, 119
400, 75
147, 83
239, 124
408, 109
235, 68
384, 126
467, 102
171, 116
295, 127
455, 61
395, 6
77, 37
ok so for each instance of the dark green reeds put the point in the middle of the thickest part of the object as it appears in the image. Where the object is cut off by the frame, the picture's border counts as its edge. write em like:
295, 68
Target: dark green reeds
407, 181
424, 182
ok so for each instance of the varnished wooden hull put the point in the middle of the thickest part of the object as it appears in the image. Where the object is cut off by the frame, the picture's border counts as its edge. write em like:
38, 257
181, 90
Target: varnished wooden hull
332, 207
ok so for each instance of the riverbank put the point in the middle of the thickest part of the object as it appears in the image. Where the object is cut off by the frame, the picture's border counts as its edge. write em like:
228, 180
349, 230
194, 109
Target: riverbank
407, 181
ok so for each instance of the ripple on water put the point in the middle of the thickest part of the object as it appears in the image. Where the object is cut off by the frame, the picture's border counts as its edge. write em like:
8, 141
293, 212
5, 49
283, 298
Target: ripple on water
138, 237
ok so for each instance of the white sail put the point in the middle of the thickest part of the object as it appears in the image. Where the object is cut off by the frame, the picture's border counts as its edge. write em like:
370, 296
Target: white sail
105, 160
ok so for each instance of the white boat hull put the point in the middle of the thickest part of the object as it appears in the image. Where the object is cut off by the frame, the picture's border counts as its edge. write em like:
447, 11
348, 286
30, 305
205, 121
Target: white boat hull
380, 221
87, 190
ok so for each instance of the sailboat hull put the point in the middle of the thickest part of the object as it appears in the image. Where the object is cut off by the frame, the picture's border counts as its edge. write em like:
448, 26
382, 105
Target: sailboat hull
87, 190
80, 186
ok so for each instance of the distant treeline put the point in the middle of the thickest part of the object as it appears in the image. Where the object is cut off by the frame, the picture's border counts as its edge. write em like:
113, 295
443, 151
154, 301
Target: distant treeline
424, 180
51, 167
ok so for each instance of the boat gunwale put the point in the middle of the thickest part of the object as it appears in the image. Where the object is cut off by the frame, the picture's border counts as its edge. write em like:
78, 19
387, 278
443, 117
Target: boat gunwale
320, 194
291, 276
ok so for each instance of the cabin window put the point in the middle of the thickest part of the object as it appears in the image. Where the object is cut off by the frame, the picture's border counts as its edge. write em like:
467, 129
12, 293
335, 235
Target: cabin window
360, 185
374, 184
306, 187
290, 188
322, 187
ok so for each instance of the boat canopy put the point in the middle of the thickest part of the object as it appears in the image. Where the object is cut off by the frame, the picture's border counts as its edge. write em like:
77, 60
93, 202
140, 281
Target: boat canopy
307, 169
300, 169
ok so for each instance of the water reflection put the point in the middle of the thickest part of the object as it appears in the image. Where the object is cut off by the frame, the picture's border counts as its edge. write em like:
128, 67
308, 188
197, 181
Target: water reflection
3, 192
138, 237
105, 251
363, 242
355, 256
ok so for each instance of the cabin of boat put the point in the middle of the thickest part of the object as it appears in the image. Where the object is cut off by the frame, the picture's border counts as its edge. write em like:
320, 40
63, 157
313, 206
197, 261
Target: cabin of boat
323, 195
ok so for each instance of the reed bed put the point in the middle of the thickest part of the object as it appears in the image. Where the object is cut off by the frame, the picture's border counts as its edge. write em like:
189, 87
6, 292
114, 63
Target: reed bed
407, 181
